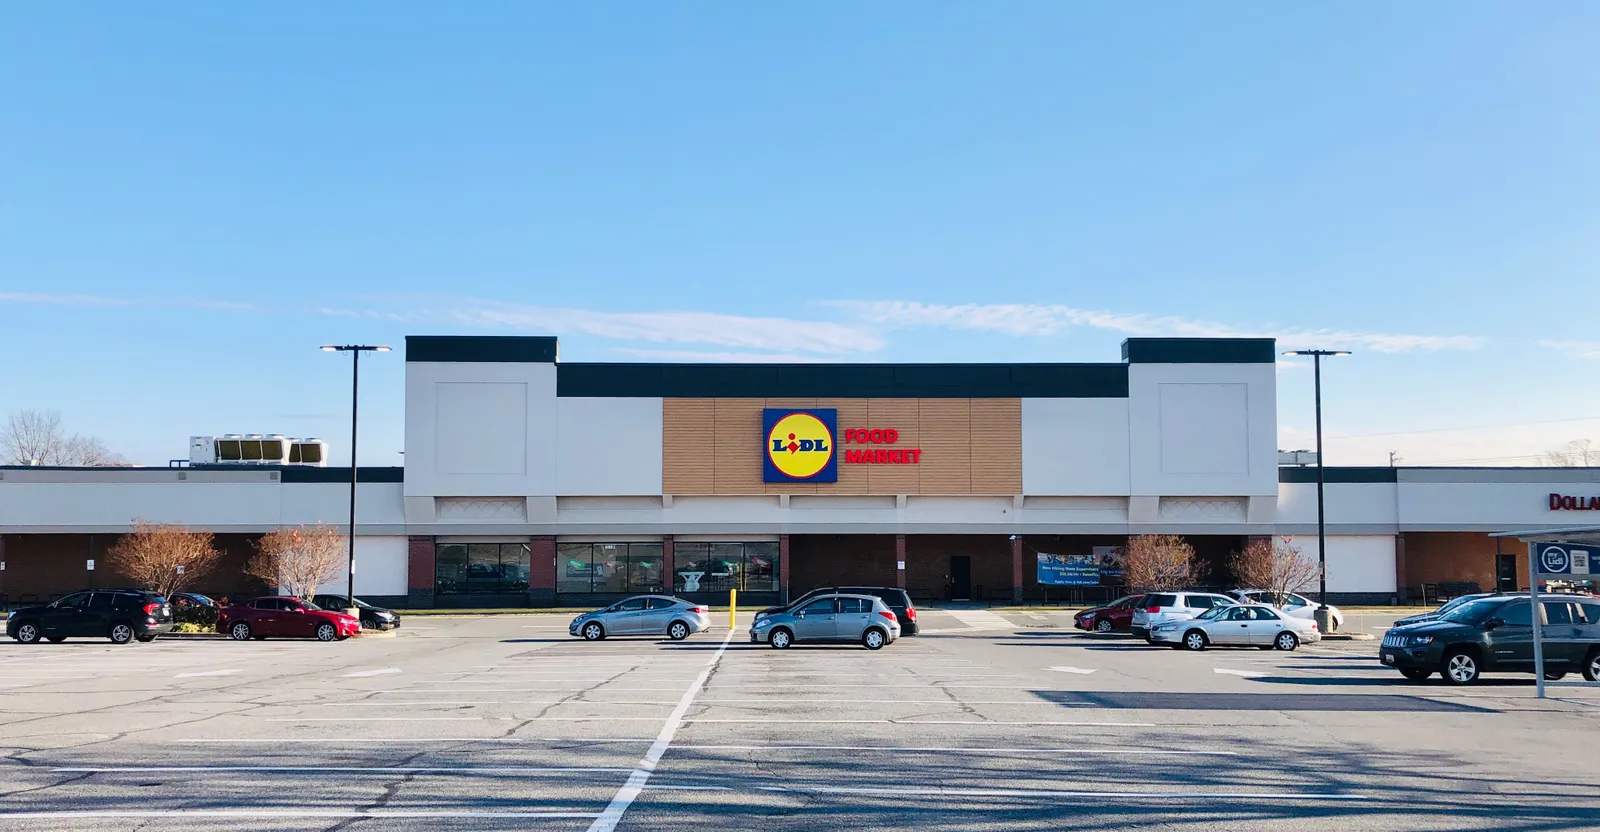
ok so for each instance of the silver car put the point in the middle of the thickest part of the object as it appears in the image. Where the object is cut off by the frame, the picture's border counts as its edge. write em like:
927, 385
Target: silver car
644, 615
864, 619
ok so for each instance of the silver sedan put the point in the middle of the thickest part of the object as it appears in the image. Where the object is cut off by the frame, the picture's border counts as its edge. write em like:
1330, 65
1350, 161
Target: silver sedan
644, 615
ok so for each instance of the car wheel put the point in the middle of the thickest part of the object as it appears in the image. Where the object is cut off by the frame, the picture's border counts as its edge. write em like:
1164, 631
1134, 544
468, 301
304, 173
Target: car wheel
873, 639
780, 639
1194, 640
121, 634
1416, 674
29, 633
146, 639
1554, 675
678, 631
1460, 668
327, 632
240, 631
1103, 625
1591, 666
593, 631
1286, 641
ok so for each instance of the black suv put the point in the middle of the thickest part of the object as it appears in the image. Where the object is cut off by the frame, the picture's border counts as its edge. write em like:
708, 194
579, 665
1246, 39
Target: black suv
372, 618
893, 597
1496, 634
121, 615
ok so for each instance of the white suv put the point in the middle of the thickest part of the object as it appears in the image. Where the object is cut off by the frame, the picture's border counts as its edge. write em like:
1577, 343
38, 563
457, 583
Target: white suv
1163, 607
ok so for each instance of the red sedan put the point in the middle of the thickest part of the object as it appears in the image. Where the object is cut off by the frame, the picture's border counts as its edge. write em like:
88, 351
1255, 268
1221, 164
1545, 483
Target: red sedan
1117, 615
286, 618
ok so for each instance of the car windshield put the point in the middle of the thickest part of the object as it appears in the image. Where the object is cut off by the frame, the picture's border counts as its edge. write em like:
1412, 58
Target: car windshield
1210, 614
310, 607
1453, 603
1472, 612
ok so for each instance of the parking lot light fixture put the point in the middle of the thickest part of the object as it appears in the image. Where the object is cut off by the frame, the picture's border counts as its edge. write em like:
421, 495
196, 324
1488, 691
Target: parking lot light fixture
1323, 619
355, 351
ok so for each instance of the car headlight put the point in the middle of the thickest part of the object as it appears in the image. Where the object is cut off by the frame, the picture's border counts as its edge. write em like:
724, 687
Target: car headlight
763, 622
1418, 641
760, 616
1166, 627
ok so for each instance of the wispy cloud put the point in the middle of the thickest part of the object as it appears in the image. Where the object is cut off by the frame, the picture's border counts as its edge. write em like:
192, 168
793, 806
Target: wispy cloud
62, 300
1049, 319
697, 356
734, 332
1574, 348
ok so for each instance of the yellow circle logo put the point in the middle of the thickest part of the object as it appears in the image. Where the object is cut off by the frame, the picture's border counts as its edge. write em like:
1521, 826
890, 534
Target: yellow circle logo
800, 445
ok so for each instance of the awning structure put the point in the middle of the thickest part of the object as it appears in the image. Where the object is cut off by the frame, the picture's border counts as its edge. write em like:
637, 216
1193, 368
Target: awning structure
1583, 535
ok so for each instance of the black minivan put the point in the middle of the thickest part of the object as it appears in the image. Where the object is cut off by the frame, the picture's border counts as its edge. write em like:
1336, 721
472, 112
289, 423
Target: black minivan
893, 597
122, 615
1496, 634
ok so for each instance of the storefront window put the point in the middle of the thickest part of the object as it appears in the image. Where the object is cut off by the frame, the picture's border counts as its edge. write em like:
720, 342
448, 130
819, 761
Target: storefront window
719, 567
461, 568
615, 568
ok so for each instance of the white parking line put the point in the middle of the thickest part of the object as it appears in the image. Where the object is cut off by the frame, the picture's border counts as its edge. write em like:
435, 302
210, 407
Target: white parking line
608, 820
338, 769
1055, 793
378, 719
1000, 752
208, 673
407, 740
1073, 670
985, 723
1248, 674
268, 813
361, 674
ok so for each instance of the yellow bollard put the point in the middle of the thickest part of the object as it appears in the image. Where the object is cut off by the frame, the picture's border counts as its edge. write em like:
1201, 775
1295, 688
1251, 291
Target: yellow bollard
733, 607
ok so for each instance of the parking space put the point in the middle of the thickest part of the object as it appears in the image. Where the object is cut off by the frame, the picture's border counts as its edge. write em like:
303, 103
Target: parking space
999, 721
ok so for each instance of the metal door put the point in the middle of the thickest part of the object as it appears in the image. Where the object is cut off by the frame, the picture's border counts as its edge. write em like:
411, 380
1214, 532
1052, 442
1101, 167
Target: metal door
95, 618
1233, 627
815, 621
960, 578
1264, 625
59, 619
1564, 646
657, 615
628, 618
1511, 643
1505, 573
852, 619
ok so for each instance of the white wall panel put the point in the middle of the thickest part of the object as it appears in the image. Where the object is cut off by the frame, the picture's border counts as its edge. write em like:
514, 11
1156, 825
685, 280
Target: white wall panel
1356, 563
1184, 430
462, 432
1074, 447
608, 447
381, 566
1347, 503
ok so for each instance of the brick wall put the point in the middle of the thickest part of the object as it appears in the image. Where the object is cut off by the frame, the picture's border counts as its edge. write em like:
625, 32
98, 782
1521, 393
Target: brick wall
928, 563
542, 569
822, 559
44, 566
1446, 557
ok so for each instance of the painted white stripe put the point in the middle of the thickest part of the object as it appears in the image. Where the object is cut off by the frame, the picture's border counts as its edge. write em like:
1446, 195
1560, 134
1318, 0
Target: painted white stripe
285, 813
981, 723
339, 769
981, 620
361, 674
378, 719
1000, 752
1073, 670
1055, 793
1248, 674
209, 673
406, 740
608, 820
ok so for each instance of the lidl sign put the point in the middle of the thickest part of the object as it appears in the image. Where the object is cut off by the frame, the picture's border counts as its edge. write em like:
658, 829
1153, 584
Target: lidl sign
800, 445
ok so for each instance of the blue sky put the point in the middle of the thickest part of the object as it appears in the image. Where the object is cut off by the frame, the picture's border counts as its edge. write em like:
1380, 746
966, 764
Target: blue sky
194, 196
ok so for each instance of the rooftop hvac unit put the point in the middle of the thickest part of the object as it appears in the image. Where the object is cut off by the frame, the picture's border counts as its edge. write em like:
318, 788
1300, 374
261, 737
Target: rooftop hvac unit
256, 449
311, 451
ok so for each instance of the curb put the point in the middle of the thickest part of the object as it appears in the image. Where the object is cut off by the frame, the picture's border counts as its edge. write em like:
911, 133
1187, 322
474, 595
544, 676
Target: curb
1349, 637
191, 636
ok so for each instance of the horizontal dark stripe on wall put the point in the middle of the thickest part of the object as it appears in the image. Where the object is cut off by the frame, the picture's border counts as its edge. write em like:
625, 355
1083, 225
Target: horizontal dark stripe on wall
1200, 351
386, 474
486, 349
1298, 474
888, 381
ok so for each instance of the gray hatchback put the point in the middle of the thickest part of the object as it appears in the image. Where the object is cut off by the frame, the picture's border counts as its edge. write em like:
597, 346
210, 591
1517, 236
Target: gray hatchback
838, 618
644, 615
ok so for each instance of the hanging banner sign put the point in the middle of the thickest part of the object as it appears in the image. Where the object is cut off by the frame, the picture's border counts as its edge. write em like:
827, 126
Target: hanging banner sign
1069, 570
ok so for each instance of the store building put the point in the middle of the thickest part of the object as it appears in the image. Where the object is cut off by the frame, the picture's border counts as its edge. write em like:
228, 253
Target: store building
531, 481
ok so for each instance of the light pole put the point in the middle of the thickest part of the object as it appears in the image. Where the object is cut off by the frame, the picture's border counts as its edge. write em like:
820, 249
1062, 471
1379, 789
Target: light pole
1322, 519
355, 351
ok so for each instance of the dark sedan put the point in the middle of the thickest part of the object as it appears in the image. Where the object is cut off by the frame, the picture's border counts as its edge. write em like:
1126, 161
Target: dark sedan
372, 617
1117, 615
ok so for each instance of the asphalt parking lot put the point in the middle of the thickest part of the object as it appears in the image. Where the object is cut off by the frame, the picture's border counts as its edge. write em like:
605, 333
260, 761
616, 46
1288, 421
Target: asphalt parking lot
989, 721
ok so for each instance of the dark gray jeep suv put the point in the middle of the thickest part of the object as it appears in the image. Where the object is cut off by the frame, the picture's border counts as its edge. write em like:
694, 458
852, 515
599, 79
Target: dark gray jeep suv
1496, 634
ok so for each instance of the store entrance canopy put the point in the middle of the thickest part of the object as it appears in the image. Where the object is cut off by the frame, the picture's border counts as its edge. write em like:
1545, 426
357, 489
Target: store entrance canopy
1537, 539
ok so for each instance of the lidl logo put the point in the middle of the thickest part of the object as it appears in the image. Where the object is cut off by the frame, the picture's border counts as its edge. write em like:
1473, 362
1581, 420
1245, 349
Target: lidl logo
800, 445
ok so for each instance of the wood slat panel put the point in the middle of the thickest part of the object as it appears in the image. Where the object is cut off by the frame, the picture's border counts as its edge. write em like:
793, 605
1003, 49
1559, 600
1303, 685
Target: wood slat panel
996, 446
853, 479
902, 415
945, 428
738, 442
688, 445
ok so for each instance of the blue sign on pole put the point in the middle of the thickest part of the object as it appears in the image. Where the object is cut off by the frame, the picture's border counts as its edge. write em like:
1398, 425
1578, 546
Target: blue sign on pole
1069, 570
1562, 559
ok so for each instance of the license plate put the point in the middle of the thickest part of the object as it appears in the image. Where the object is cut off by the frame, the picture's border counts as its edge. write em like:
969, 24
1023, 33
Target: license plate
1388, 658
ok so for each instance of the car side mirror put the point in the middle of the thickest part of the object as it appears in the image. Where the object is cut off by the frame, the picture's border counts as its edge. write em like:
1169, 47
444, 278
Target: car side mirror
300, 610
1493, 623
800, 614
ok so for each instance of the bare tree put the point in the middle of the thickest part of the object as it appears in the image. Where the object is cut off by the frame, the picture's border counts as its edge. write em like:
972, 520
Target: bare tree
163, 557
1579, 453
1274, 565
298, 560
1159, 561
36, 437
